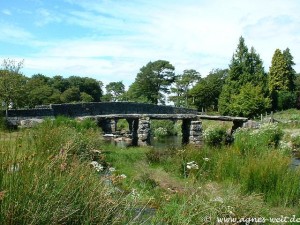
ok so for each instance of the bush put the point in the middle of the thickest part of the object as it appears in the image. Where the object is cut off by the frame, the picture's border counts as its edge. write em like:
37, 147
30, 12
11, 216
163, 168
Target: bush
122, 124
254, 141
160, 132
295, 139
215, 136
163, 128
286, 100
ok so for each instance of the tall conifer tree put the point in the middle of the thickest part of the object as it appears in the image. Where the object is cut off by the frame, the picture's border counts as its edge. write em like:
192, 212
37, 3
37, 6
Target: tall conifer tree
246, 68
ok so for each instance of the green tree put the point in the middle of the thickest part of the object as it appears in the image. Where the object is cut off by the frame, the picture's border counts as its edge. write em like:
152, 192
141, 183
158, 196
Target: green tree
84, 97
38, 90
206, 92
279, 73
87, 85
152, 82
70, 95
59, 83
289, 59
182, 85
245, 67
281, 77
250, 101
12, 84
115, 91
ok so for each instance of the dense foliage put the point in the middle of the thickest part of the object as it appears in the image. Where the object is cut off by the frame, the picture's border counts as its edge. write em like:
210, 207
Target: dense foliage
152, 82
245, 73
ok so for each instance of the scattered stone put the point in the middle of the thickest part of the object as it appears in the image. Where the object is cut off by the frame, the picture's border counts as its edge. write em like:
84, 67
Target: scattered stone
251, 124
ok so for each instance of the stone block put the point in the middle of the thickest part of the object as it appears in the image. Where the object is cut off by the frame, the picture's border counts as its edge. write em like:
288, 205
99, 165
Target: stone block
30, 122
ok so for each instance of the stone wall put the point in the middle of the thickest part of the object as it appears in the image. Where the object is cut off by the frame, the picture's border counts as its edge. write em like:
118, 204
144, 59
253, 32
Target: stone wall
94, 108
106, 108
15, 116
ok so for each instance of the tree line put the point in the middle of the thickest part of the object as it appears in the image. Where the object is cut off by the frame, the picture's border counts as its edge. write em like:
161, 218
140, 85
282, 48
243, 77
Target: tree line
242, 89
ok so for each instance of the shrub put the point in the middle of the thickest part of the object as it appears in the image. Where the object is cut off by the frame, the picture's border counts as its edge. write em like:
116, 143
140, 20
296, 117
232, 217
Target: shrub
160, 132
253, 141
122, 124
215, 136
286, 100
163, 128
295, 139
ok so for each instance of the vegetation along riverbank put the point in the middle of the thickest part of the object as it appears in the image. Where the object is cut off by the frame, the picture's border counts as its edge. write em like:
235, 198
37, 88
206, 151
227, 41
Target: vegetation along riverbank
62, 172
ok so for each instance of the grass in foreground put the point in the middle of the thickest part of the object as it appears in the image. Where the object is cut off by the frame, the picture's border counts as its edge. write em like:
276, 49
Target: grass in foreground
46, 178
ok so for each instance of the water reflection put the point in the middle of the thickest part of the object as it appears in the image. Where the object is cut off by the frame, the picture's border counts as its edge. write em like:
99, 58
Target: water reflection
160, 143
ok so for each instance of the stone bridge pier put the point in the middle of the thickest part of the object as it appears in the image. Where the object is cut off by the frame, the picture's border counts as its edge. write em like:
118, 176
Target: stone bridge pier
140, 129
192, 132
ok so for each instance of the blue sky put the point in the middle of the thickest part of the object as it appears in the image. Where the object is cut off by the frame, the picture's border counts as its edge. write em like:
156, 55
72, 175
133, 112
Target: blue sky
110, 40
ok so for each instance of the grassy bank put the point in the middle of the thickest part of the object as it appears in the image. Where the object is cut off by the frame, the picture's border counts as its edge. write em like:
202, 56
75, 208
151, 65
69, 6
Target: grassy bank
46, 177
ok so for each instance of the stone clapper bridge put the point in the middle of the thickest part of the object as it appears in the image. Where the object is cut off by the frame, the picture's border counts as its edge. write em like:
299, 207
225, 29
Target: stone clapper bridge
138, 116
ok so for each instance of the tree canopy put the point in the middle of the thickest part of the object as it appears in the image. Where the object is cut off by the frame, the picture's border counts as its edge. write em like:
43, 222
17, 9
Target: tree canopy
152, 82
245, 69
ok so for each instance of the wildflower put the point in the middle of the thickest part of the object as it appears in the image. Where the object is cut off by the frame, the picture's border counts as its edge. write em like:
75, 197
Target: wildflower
112, 169
206, 159
192, 165
134, 193
123, 176
97, 166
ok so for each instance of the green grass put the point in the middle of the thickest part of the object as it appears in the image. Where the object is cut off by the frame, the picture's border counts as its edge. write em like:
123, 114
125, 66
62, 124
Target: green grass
46, 178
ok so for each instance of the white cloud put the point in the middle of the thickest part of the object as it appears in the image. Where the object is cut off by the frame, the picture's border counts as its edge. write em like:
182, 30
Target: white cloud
45, 17
14, 34
122, 36
6, 12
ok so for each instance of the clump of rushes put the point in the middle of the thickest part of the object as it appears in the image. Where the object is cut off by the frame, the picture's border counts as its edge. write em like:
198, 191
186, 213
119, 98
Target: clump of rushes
44, 179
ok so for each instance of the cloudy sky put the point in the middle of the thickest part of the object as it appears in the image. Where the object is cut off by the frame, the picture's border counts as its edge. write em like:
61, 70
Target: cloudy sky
110, 40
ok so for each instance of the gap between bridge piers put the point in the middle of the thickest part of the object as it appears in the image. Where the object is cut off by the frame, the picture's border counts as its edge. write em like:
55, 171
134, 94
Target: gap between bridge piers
139, 125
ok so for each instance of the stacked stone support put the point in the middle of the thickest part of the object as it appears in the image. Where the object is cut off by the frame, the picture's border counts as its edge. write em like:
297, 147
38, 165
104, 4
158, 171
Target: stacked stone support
185, 129
195, 133
143, 131
109, 126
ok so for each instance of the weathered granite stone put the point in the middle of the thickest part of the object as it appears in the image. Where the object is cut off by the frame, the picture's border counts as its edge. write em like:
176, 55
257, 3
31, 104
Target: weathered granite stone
251, 124
143, 131
195, 133
30, 122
